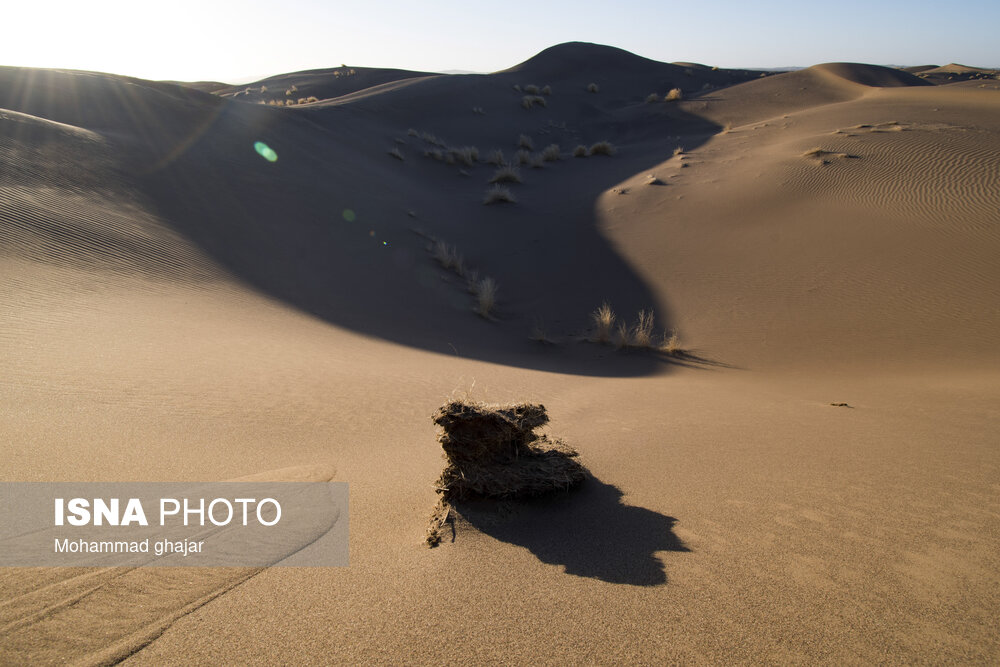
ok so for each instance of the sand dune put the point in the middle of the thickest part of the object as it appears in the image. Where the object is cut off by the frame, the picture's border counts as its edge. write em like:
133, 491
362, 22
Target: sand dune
813, 481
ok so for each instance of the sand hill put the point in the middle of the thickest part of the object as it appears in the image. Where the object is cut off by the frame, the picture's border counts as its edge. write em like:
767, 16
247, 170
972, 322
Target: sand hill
198, 286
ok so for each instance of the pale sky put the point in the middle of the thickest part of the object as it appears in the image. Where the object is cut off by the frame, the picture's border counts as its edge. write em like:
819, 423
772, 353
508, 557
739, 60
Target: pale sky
243, 40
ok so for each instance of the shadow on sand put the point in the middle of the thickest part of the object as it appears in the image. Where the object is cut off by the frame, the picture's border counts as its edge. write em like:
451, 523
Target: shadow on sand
590, 532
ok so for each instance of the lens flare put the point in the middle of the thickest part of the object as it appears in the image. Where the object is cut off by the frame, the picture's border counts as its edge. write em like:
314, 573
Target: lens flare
265, 151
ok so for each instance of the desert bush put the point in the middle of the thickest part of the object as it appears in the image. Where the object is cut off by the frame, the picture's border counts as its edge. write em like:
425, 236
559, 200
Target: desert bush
523, 157
580, 151
592, 88
396, 154
467, 155
674, 95
602, 148
531, 89
604, 320
671, 344
434, 153
551, 153
524, 141
547, 90
496, 157
448, 257
517, 87
652, 97
529, 101
642, 331
486, 296
678, 151
506, 175
498, 194
411, 132
621, 336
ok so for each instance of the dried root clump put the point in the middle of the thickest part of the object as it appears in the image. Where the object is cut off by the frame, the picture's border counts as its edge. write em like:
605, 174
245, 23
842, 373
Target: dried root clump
492, 452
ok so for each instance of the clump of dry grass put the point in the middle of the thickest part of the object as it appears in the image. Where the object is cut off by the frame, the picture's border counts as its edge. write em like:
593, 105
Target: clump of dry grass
814, 152
396, 154
448, 257
547, 90
537, 162
517, 87
497, 158
493, 452
531, 89
524, 141
642, 331
506, 174
551, 153
434, 153
467, 155
651, 98
602, 148
523, 157
412, 132
529, 101
479, 111
580, 151
498, 194
592, 88
604, 320
621, 336
674, 95
486, 296
671, 344
679, 150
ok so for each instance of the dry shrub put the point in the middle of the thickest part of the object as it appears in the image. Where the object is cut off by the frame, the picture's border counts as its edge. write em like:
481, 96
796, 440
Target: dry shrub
411, 132
642, 332
604, 320
448, 257
551, 153
498, 194
674, 95
524, 141
580, 151
592, 88
506, 175
486, 296
602, 148
671, 344
523, 157
467, 155
547, 90
531, 89
396, 154
678, 151
529, 101
651, 98
493, 452
497, 158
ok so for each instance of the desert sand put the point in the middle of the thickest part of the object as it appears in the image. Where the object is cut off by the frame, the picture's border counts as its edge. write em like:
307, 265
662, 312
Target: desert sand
815, 478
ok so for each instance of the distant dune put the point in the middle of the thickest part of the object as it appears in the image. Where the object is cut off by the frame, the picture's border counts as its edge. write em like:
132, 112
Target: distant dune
789, 420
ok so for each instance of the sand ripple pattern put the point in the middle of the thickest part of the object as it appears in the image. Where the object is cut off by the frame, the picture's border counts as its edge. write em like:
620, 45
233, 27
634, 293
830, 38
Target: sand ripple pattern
945, 177
54, 211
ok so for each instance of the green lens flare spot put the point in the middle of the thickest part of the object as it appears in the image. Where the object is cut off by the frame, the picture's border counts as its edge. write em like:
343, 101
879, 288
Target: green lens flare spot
265, 151
349, 215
